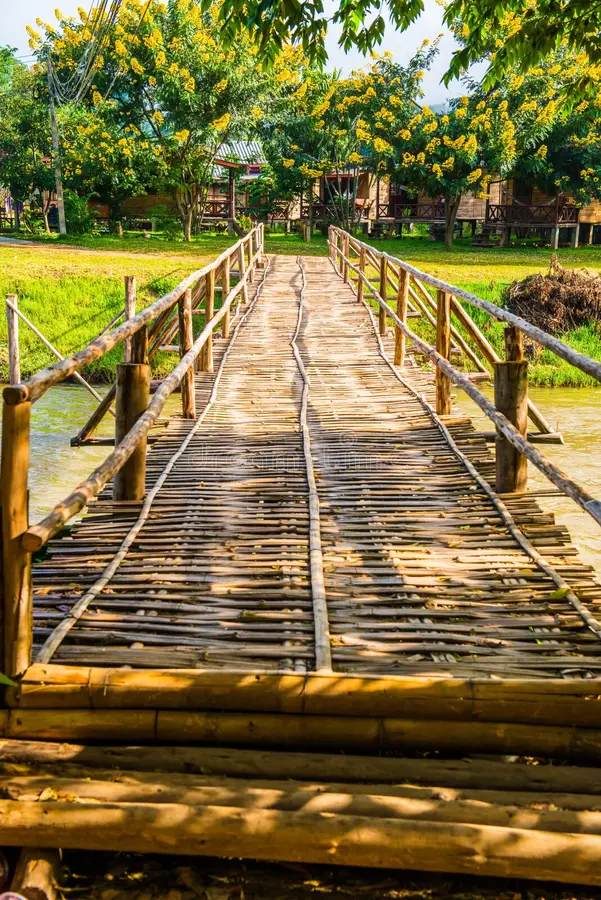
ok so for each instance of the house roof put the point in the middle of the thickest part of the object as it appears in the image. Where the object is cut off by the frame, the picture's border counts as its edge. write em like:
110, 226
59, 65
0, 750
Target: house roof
249, 152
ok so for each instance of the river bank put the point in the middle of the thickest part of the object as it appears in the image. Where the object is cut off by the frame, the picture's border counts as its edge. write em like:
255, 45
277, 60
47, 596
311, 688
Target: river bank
72, 288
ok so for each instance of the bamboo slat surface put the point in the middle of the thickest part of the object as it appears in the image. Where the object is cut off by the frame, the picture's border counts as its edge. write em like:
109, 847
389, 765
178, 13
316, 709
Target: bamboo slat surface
421, 573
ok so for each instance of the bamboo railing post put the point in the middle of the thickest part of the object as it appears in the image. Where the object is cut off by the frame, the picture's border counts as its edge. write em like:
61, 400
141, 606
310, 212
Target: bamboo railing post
514, 344
249, 246
12, 322
400, 338
17, 616
443, 346
139, 346
242, 271
225, 290
511, 399
360, 282
383, 294
186, 339
133, 393
206, 364
345, 253
130, 311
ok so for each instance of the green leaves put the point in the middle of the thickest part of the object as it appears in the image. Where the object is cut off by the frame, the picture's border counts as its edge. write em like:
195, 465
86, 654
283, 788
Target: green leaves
5, 680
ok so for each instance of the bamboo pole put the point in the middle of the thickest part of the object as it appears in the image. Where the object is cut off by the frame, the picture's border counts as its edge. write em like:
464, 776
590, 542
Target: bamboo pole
383, 293
472, 774
511, 399
575, 814
133, 392
345, 252
37, 874
16, 561
400, 340
242, 271
225, 289
12, 323
305, 837
443, 347
206, 364
294, 731
360, 285
186, 339
139, 346
514, 344
547, 701
130, 312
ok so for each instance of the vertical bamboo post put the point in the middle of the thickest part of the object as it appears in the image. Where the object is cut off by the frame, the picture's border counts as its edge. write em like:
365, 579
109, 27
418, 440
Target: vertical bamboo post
133, 392
139, 346
186, 339
12, 322
443, 346
225, 291
514, 344
130, 311
511, 398
207, 351
249, 246
400, 338
345, 253
242, 271
360, 282
16, 562
383, 293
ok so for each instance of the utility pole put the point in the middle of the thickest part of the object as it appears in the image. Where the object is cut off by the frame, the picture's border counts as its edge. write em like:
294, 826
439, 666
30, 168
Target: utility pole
62, 223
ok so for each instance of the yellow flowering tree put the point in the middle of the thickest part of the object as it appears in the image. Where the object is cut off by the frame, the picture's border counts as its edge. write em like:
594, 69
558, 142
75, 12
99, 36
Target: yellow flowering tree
338, 130
171, 84
102, 158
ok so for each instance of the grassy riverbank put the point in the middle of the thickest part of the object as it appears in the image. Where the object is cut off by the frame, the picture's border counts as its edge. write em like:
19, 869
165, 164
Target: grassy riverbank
72, 287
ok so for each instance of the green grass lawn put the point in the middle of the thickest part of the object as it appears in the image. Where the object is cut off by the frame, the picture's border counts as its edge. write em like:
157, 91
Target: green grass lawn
71, 294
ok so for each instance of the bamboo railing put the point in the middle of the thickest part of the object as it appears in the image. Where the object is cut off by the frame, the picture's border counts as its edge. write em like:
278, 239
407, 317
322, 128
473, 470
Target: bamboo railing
135, 416
511, 409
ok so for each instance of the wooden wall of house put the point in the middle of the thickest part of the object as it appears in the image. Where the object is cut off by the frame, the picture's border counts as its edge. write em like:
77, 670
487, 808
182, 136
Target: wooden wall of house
471, 207
145, 204
591, 214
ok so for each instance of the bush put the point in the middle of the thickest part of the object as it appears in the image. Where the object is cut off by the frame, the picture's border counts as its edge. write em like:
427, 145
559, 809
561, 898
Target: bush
32, 221
80, 219
245, 224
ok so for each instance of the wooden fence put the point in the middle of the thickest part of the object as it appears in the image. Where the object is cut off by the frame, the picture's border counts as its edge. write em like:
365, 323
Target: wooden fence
135, 415
509, 413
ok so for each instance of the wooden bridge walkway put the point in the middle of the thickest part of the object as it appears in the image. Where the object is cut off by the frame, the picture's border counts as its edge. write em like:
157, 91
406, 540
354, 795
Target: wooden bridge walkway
316, 561
415, 569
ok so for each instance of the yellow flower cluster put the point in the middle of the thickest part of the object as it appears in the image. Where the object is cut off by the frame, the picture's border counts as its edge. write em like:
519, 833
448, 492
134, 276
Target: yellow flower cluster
474, 176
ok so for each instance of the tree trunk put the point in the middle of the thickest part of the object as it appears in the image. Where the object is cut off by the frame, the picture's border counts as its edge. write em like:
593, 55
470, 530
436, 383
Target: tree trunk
451, 209
17, 217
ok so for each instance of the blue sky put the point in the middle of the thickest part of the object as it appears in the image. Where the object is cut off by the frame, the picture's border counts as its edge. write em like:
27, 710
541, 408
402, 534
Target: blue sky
15, 16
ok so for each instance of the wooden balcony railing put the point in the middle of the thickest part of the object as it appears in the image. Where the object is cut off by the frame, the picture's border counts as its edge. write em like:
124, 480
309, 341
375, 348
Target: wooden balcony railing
511, 214
327, 212
418, 212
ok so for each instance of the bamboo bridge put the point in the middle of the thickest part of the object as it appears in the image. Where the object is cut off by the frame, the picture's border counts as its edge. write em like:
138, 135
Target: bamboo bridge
318, 552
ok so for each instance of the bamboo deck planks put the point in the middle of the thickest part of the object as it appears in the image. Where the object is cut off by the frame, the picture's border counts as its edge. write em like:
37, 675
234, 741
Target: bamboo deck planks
421, 575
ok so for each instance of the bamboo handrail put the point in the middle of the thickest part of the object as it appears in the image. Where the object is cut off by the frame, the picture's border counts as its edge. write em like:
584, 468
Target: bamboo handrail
37, 535
32, 389
569, 487
574, 357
